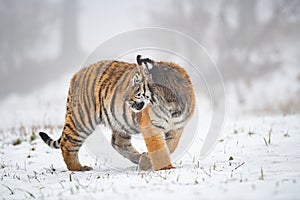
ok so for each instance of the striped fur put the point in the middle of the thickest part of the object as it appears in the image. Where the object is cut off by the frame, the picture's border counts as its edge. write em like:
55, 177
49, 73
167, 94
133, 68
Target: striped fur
116, 94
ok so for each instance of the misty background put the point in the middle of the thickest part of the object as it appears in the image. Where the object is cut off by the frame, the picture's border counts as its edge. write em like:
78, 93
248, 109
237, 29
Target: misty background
255, 44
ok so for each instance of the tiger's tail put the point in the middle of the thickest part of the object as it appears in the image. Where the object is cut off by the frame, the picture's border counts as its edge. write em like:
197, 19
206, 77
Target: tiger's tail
51, 143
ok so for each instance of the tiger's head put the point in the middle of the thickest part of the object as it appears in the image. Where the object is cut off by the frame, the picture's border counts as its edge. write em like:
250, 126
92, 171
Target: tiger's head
142, 86
145, 91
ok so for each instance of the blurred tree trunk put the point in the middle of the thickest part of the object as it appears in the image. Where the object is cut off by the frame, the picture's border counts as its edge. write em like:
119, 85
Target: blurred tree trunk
244, 46
69, 28
22, 72
237, 46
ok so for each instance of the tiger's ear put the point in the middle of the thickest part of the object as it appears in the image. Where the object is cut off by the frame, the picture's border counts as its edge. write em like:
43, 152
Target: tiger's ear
138, 59
144, 65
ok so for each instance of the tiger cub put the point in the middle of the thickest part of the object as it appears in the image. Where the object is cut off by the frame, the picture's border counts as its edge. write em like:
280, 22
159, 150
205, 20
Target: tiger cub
152, 98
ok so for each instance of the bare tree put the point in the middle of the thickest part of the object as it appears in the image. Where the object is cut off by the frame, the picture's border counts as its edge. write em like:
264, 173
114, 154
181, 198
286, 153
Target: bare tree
23, 25
69, 28
252, 48
245, 47
26, 25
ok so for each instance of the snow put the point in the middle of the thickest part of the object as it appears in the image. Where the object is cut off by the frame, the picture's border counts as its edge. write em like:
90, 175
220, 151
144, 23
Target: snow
258, 169
264, 149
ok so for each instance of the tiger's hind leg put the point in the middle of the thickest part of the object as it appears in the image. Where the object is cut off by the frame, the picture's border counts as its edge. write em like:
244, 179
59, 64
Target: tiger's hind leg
122, 143
172, 139
71, 142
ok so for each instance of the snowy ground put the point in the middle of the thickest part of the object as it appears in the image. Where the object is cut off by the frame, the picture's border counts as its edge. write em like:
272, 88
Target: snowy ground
257, 157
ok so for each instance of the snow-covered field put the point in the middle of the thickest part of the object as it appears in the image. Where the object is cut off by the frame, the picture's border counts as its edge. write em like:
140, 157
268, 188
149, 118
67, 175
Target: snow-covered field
257, 157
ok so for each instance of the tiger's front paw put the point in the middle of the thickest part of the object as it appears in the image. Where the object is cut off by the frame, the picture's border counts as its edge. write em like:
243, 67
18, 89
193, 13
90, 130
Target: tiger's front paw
170, 166
144, 162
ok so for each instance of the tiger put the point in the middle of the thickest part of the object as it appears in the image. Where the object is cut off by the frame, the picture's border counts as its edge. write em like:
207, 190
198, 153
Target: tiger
155, 98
